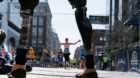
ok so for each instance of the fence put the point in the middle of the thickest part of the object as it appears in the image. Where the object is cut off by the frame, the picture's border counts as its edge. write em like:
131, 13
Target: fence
126, 60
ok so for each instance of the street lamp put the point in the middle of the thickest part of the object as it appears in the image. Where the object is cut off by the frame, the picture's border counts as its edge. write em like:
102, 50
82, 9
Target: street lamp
0, 19
102, 39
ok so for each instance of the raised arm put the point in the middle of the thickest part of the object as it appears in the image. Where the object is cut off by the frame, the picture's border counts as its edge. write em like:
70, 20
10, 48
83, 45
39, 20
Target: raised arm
60, 43
75, 42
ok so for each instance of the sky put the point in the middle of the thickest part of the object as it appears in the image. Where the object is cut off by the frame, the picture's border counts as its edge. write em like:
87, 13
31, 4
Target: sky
63, 20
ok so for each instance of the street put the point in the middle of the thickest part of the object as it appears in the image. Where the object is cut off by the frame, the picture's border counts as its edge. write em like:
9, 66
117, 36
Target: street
70, 73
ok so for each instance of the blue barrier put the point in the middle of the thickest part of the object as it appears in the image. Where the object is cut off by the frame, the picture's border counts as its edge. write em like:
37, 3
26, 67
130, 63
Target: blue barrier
122, 60
134, 59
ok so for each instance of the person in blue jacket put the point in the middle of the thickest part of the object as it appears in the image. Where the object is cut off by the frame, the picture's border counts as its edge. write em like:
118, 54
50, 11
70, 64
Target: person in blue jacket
7, 57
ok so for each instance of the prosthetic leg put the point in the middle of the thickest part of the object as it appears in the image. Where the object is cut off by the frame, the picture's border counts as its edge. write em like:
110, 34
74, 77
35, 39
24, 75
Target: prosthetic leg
85, 29
27, 7
22, 49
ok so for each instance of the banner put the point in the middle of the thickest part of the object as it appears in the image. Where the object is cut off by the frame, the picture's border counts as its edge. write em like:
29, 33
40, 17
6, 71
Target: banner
121, 59
99, 19
134, 60
7, 48
134, 57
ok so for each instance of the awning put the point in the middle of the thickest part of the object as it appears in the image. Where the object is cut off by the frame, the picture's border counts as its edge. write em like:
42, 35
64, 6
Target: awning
134, 20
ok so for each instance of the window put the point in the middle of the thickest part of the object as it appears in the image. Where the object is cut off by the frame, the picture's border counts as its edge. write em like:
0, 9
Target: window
33, 44
35, 11
41, 9
40, 31
39, 44
34, 34
40, 34
40, 38
34, 20
34, 40
34, 29
40, 20
40, 50
40, 41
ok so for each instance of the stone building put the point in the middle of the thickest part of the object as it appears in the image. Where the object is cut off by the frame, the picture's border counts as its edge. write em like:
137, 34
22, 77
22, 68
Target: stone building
9, 24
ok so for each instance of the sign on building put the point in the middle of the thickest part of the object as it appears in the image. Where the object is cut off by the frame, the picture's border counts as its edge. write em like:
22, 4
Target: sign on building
99, 19
134, 61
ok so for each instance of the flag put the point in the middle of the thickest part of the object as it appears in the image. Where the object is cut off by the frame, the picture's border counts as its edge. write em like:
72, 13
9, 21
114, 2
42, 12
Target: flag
10, 49
9, 52
6, 47
3, 51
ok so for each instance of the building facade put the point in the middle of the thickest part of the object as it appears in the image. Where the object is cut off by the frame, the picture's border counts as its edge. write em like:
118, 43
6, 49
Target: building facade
98, 41
9, 24
40, 30
120, 12
77, 55
124, 36
54, 40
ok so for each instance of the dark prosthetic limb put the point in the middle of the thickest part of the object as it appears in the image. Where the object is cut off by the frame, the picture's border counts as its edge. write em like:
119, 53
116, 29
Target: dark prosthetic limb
27, 7
77, 3
22, 49
85, 29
